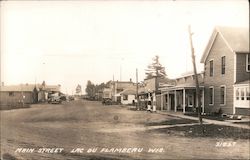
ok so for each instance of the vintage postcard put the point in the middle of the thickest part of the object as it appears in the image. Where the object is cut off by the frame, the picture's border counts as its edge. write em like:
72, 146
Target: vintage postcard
121, 80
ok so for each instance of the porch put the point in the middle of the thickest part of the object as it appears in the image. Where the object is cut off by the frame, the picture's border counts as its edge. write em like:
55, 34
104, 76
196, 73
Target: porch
181, 98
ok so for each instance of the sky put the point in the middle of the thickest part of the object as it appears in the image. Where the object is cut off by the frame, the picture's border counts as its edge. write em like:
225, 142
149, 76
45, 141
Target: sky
71, 42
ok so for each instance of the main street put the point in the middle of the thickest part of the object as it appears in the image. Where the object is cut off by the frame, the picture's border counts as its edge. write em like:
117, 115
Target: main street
89, 130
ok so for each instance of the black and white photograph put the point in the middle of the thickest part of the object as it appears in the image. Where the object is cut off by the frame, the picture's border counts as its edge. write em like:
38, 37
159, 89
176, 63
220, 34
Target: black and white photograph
124, 80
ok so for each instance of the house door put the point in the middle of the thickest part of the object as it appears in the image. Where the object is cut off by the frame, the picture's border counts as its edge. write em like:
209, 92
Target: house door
171, 98
190, 100
165, 101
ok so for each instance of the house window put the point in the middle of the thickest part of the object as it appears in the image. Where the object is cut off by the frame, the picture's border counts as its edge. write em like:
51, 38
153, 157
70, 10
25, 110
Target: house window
222, 95
211, 67
125, 97
223, 65
211, 95
242, 94
237, 94
11, 94
247, 94
248, 62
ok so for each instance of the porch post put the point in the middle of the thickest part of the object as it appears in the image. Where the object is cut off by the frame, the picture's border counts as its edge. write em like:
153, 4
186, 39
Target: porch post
175, 101
234, 97
184, 100
203, 104
168, 100
161, 101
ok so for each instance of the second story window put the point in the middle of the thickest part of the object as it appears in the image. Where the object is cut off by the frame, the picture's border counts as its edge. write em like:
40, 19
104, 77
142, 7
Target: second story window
223, 65
248, 62
211, 68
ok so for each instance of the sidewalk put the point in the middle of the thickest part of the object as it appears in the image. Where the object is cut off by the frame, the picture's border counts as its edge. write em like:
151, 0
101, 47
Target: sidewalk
209, 121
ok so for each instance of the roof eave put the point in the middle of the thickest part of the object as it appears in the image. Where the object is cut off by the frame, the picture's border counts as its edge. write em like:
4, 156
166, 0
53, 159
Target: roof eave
209, 45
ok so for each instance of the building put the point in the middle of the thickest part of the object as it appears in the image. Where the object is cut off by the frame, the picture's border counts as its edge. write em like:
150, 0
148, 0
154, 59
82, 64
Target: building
46, 91
118, 86
128, 97
182, 95
15, 94
150, 94
227, 71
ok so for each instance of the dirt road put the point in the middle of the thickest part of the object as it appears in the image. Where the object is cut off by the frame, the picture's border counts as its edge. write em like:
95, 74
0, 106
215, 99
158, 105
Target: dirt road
70, 130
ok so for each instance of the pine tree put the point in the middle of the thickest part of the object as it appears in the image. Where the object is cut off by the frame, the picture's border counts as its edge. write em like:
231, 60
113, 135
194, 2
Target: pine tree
78, 89
155, 69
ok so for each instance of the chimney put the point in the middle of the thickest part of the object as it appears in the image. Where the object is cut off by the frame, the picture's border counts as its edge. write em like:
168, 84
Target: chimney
2, 83
130, 79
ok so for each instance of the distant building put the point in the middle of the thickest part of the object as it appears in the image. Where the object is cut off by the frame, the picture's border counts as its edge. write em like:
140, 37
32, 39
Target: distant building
128, 97
27, 93
118, 86
23, 93
152, 91
45, 91
107, 93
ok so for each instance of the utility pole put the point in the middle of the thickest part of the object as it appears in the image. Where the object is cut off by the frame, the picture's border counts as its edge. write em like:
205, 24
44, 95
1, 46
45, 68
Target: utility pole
137, 98
198, 96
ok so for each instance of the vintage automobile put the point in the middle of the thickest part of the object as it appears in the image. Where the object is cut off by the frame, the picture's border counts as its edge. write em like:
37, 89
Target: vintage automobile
106, 101
55, 100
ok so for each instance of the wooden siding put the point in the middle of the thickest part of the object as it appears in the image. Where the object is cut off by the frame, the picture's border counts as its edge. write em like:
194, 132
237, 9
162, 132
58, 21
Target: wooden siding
241, 73
189, 79
242, 111
218, 50
17, 97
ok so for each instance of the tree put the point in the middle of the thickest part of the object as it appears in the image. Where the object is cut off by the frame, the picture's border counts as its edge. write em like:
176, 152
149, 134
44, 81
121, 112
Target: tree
155, 70
78, 89
90, 89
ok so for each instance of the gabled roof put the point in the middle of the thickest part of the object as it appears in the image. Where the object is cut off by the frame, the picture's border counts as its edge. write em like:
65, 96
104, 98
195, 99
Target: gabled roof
236, 38
18, 88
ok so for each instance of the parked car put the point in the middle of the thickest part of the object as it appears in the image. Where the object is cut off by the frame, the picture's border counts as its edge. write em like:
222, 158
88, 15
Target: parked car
71, 98
106, 101
54, 100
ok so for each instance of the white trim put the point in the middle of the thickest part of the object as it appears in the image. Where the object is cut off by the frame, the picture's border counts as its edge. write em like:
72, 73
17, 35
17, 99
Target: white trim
203, 97
211, 104
209, 45
161, 102
241, 103
184, 100
225, 95
247, 63
239, 85
210, 68
234, 100
175, 101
